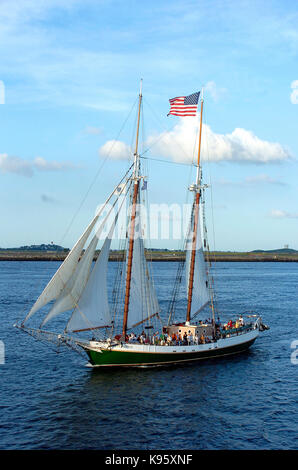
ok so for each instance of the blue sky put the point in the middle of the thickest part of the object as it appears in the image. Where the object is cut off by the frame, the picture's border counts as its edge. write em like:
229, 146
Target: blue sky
70, 73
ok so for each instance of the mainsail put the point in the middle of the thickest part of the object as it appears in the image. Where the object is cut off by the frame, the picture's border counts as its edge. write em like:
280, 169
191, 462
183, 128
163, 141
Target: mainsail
200, 292
143, 303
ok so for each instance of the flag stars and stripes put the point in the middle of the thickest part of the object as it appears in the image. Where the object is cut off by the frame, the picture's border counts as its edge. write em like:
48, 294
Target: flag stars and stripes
184, 105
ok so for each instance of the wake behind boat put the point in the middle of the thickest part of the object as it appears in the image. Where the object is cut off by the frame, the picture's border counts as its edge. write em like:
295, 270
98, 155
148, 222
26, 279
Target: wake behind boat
127, 328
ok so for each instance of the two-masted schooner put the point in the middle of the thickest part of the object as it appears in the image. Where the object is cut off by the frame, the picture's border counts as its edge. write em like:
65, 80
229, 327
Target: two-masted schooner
126, 328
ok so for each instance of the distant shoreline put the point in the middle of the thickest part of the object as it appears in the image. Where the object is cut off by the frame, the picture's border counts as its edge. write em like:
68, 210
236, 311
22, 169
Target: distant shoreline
7, 255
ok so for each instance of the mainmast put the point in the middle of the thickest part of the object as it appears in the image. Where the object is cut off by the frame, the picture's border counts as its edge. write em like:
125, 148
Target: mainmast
136, 179
196, 220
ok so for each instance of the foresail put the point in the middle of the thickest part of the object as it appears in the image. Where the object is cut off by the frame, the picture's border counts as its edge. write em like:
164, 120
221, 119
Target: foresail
200, 292
92, 310
69, 298
61, 277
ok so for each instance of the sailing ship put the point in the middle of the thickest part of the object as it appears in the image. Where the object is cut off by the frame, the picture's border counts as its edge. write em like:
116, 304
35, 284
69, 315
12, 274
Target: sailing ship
126, 327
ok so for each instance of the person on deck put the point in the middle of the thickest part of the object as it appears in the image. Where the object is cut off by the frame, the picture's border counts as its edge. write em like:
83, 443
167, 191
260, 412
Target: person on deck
142, 338
189, 338
132, 337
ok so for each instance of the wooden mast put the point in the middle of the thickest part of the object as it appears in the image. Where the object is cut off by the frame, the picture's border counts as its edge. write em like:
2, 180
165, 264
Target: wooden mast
132, 221
195, 226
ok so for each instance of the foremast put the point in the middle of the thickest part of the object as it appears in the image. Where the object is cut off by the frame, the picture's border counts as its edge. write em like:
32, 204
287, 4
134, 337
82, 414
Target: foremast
136, 186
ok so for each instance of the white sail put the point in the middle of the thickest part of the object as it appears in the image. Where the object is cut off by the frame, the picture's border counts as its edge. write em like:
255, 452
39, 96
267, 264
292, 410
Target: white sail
151, 298
61, 277
92, 310
69, 298
200, 291
74, 288
143, 302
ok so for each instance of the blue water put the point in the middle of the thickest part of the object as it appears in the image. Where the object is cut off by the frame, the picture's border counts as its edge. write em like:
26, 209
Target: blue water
249, 401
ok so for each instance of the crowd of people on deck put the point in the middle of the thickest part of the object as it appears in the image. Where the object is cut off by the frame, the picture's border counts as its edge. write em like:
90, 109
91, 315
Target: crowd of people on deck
179, 339
236, 324
164, 339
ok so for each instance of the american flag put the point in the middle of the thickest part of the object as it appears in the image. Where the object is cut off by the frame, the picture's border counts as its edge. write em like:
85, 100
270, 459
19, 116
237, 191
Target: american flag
184, 105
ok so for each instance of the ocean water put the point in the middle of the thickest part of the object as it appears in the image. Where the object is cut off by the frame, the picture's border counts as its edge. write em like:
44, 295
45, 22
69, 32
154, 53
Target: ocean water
247, 401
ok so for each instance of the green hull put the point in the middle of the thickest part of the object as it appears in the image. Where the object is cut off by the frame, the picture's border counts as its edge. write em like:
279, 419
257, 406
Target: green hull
112, 358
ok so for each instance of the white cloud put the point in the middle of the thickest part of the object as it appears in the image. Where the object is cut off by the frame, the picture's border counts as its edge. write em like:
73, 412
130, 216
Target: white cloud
10, 164
115, 149
240, 145
43, 165
279, 214
19, 166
